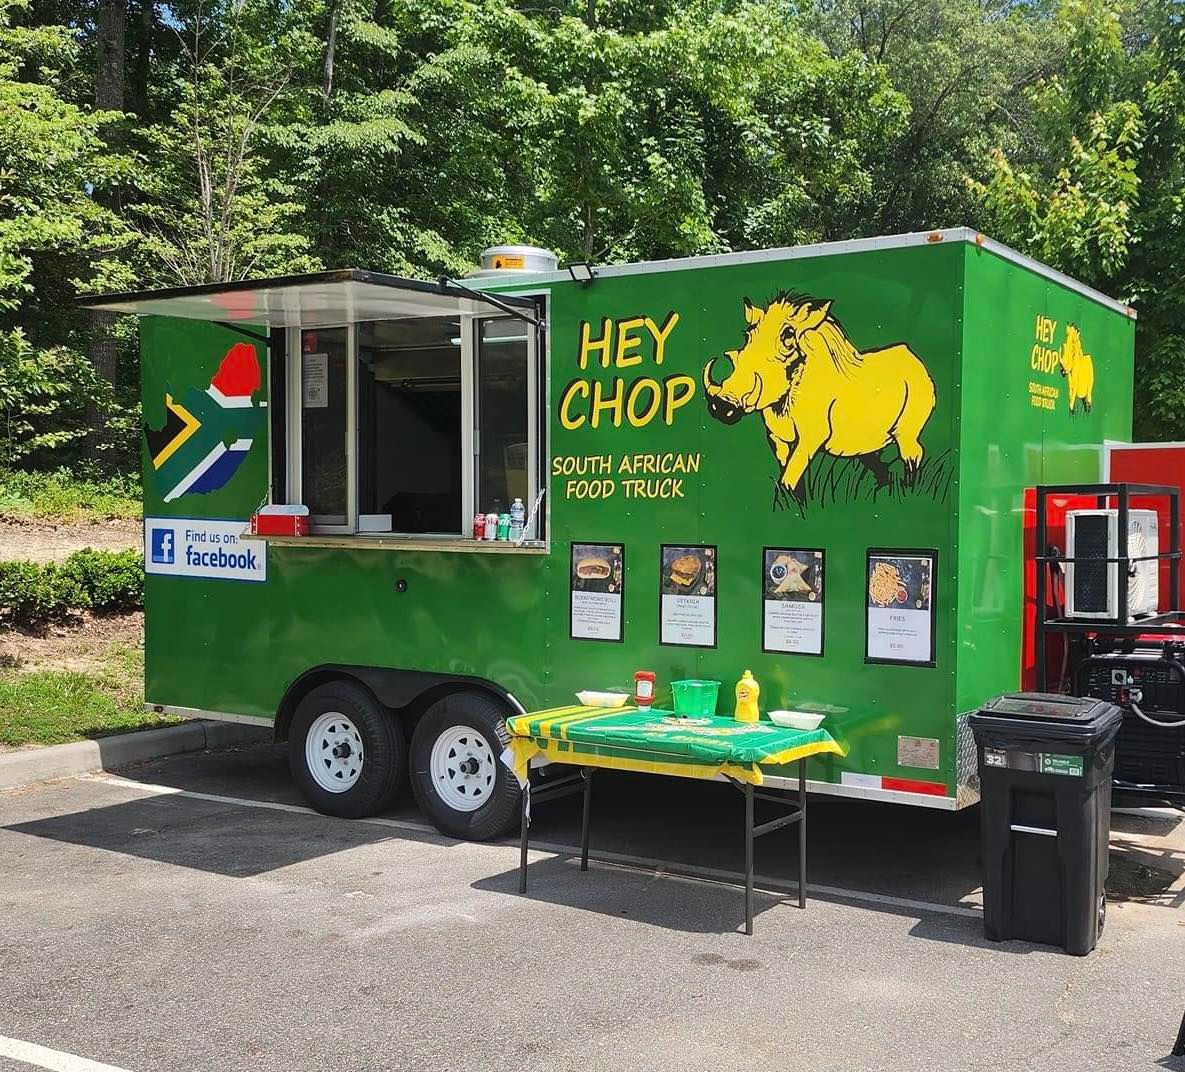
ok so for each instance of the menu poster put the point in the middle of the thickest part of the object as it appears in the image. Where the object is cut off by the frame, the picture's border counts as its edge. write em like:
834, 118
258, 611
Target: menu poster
901, 607
792, 601
687, 610
598, 591
314, 378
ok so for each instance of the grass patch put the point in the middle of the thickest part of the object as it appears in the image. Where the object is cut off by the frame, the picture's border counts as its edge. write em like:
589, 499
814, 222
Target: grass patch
62, 495
829, 479
55, 706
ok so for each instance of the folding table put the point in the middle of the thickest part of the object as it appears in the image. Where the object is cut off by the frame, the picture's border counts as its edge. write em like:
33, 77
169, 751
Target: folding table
659, 742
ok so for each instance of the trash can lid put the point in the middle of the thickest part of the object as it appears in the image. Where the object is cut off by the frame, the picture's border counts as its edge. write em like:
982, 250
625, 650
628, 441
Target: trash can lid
1062, 716
1046, 707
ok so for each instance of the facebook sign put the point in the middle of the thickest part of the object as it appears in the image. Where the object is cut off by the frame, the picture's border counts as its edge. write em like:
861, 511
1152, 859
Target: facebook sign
162, 551
203, 547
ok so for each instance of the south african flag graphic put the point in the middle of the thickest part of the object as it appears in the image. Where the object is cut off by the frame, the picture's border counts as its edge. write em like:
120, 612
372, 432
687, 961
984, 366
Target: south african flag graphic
206, 435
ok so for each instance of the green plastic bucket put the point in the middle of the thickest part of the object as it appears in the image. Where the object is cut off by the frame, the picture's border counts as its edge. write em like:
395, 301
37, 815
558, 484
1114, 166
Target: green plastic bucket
694, 699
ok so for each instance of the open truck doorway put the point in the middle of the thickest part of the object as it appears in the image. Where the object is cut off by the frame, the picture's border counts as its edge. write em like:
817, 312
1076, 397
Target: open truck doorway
807, 462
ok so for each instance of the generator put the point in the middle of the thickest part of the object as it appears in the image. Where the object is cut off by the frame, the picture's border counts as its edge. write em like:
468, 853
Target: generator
1148, 684
1105, 621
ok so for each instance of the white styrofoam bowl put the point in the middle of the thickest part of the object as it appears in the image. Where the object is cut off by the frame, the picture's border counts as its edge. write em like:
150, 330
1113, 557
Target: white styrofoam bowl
797, 720
593, 698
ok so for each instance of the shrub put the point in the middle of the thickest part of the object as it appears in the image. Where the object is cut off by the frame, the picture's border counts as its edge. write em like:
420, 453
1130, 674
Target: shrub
109, 580
96, 580
32, 594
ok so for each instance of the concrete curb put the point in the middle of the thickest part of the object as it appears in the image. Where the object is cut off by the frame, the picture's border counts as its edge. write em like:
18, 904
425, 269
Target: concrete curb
122, 750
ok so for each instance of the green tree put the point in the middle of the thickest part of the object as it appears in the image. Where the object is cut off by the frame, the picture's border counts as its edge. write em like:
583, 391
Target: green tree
1101, 193
56, 239
963, 65
211, 207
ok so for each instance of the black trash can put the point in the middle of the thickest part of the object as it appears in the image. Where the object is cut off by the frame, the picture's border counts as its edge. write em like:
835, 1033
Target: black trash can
1045, 764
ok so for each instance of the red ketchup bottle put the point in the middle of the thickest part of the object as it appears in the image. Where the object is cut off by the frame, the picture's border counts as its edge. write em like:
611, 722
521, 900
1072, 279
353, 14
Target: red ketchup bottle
644, 688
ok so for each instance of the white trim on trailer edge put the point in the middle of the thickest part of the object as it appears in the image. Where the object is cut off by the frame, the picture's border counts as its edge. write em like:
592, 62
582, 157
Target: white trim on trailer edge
824, 249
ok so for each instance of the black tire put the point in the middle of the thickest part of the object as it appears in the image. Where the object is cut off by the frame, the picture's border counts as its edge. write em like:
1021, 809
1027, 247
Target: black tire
500, 809
383, 750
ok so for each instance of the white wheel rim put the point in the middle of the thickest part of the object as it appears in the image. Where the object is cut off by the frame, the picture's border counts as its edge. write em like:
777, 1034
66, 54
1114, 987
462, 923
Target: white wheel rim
333, 752
463, 768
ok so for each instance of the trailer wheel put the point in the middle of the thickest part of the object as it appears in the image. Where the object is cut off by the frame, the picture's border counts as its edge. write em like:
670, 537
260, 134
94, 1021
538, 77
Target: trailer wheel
344, 751
457, 775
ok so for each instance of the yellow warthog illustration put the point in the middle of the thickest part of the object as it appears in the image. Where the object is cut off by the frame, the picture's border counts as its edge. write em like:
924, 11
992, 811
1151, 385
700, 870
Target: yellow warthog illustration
1078, 369
816, 391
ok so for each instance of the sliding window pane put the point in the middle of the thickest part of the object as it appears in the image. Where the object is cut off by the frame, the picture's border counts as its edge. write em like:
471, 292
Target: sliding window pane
502, 414
324, 421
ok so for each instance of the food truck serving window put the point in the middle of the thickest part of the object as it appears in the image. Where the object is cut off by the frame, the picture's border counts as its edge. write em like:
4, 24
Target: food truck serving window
411, 426
399, 406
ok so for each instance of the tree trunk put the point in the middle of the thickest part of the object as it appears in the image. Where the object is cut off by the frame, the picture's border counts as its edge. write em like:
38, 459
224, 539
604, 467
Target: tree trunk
143, 58
112, 30
103, 349
330, 50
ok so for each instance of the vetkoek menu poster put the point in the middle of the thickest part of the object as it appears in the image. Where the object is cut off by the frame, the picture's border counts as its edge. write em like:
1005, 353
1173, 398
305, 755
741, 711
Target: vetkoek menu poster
792, 601
687, 611
901, 607
598, 588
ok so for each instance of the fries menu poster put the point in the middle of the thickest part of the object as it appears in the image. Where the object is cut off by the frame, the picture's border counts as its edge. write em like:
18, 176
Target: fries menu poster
901, 607
598, 589
687, 611
792, 601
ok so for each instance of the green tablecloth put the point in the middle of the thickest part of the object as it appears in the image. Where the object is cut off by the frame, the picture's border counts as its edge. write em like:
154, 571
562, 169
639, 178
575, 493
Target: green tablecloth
658, 743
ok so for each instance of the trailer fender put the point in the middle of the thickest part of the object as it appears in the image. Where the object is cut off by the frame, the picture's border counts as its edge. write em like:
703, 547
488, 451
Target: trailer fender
408, 691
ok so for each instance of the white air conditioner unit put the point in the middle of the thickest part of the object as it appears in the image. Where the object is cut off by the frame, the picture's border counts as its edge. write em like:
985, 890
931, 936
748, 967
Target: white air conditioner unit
1092, 590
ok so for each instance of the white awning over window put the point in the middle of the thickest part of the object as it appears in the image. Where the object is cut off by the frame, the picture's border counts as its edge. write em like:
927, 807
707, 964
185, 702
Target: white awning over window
320, 299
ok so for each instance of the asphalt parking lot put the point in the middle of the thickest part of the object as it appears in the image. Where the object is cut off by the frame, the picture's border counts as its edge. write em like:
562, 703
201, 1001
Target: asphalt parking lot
191, 915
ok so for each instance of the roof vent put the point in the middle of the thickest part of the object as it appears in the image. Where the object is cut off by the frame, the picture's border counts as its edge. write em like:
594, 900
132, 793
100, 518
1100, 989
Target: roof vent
499, 260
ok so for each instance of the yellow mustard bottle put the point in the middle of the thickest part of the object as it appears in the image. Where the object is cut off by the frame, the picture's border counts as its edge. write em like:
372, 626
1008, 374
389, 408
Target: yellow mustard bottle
748, 692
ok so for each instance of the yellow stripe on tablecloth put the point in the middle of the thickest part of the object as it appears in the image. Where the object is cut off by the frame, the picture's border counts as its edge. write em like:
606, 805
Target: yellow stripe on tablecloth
802, 751
551, 750
557, 717
565, 725
520, 725
522, 751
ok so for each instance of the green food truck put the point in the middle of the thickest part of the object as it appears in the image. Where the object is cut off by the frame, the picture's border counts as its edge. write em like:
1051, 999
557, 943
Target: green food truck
809, 463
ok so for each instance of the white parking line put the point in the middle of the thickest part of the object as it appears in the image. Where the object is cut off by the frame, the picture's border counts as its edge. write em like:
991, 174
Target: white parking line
661, 868
55, 1060
243, 802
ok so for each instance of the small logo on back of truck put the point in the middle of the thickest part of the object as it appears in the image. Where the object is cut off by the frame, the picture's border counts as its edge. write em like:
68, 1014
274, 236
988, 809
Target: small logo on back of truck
162, 546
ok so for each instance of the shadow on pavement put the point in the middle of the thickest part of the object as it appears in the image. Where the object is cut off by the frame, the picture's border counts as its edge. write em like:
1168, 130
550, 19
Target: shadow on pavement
206, 836
661, 900
1148, 858
865, 848
256, 772
969, 932
869, 848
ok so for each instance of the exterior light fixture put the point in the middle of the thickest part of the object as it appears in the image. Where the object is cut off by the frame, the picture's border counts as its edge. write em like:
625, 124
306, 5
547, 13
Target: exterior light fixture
582, 272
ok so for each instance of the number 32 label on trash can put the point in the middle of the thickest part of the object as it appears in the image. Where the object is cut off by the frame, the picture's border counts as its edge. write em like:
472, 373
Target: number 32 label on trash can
1039, 762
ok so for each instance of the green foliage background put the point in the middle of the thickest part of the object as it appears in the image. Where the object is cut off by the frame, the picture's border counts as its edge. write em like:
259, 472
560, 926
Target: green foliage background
147, 144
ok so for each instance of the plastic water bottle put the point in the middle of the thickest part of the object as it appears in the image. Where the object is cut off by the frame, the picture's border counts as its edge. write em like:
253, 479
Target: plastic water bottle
518, 518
